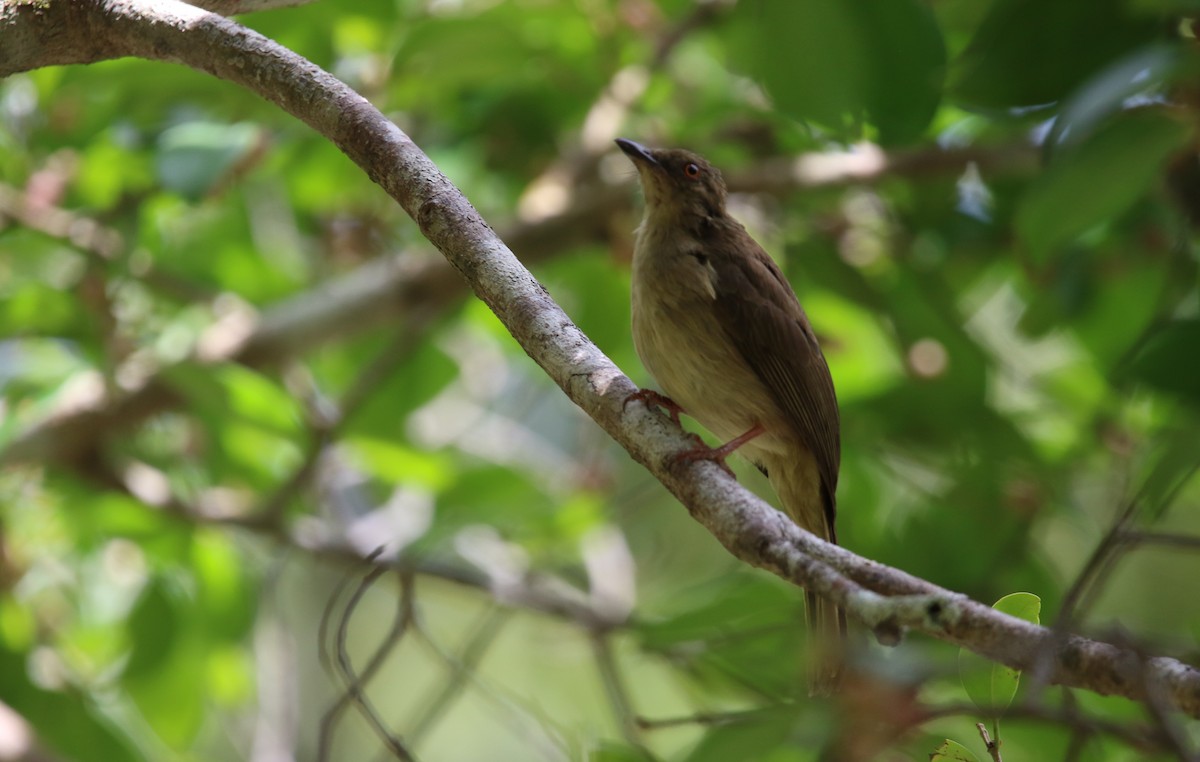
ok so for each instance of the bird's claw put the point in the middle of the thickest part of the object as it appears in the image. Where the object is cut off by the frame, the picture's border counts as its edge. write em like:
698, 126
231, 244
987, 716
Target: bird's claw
651, 398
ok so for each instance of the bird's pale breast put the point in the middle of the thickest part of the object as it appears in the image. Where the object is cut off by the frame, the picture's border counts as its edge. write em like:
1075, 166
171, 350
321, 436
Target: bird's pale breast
681, 344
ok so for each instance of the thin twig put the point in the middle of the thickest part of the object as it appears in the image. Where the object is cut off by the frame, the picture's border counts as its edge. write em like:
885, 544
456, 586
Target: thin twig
699, 718
1139, 537
618, 694
353, 693
1141, 737
482, 637
993, 747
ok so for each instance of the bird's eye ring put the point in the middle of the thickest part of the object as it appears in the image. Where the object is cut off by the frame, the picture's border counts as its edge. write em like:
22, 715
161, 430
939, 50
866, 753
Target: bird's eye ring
692, 171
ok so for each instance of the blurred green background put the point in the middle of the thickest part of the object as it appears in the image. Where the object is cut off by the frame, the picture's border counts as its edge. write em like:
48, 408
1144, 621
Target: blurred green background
987, 209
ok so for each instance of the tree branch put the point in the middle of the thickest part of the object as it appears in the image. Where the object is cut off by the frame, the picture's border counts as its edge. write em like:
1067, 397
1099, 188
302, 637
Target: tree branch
886, 599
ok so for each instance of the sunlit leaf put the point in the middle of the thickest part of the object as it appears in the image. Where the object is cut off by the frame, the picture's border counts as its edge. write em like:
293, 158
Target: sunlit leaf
224, 590
990, 685
952, 751
397, 464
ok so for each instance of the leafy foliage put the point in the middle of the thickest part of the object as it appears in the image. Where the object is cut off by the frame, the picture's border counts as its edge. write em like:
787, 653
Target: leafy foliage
991, 228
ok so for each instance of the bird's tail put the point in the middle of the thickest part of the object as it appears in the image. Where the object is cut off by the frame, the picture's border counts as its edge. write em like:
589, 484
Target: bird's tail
799, 490
827, 642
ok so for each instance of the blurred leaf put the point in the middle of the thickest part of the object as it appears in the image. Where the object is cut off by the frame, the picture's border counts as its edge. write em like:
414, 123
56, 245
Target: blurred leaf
153, 627
224, 589
952, 751
424, 373
765, 735
1105, 94
1174, 464
595, 295
396, 464
612, 752
734, 631
249, 453
111, 167
96, 517
993, 686
734, 602
69, 722
908, 58
811, 57
513, 501
39, 309
860, 353
1013, 63
1169, 360
253, 425
194, 156
833, 63
1099, 179
255, 398
164, 656
175, 715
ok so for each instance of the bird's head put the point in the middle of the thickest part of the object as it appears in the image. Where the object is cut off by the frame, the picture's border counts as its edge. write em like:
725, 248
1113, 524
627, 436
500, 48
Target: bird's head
676, 183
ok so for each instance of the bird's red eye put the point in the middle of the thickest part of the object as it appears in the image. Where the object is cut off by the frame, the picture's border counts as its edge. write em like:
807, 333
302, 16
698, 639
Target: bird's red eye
692, 171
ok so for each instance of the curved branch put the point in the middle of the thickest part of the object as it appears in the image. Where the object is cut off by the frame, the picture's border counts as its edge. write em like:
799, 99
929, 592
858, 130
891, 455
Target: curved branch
886, 599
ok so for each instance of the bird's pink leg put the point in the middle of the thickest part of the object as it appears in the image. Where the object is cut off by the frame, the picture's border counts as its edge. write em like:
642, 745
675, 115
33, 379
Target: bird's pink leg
719, 454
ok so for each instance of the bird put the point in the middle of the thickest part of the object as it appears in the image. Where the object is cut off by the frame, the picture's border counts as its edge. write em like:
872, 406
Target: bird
720, 329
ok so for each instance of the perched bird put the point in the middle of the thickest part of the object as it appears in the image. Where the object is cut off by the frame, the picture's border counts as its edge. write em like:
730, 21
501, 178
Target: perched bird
721, 330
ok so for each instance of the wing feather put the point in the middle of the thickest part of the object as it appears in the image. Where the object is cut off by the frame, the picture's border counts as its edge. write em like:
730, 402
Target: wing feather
762, 316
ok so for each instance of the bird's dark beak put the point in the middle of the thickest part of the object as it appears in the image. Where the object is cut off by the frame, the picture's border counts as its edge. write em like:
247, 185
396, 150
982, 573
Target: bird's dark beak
637, 152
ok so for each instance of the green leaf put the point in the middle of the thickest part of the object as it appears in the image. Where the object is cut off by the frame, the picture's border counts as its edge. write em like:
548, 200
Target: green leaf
952, 751
991, 685
1105, 93
1025, 606
1100, 179
1170, 360
397, 464
224, 589
836, 63
172, 699
811, 57
153, 627
755, 738
109, 169
37, 308
69, 722
194, 156
908, 66
166, 655
613, 752
1029, 52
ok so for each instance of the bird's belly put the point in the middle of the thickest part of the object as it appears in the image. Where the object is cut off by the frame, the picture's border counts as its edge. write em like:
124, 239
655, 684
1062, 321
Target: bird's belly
696, 365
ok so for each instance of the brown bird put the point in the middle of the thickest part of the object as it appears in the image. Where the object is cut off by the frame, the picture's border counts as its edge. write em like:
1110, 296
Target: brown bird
721, 330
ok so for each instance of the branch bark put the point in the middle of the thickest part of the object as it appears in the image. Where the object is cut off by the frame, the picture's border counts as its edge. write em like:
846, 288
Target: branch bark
885, 599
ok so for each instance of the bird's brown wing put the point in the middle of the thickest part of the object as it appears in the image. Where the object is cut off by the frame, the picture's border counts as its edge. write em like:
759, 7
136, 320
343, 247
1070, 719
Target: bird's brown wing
759, 311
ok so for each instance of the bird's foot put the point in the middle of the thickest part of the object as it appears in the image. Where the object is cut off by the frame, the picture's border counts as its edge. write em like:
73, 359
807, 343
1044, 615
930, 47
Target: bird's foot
718, 455
651, 398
